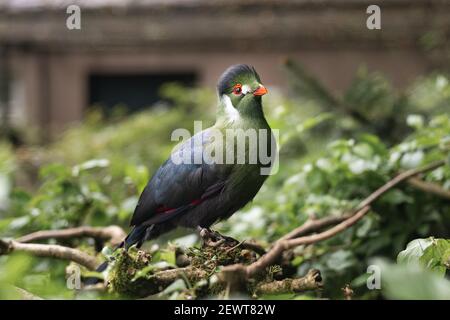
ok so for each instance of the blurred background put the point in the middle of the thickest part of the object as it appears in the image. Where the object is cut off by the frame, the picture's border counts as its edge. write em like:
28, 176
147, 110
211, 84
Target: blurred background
86, 117
126, 49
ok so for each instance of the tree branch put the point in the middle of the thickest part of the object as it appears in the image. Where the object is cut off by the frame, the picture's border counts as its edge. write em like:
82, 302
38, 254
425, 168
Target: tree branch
51, 251
283, 244
429, 187
113, 233
162, 279
124, 282
400, 178
311, 281
314, 225
280, 246
229, 275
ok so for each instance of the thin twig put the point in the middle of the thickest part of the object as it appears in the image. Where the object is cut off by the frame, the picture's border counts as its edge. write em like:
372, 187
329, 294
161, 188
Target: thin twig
51, 251
314, 225
327, 233
400, 178
113, 233
429, 187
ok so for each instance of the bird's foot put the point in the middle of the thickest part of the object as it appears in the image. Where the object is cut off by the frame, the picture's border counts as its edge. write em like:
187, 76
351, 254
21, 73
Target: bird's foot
213, 238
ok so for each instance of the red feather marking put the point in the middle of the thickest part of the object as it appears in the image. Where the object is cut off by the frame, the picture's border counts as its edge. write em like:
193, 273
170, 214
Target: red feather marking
196, 202
164, 209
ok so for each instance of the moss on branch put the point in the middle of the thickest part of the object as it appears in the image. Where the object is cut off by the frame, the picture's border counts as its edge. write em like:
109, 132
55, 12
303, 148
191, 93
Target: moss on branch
132, 274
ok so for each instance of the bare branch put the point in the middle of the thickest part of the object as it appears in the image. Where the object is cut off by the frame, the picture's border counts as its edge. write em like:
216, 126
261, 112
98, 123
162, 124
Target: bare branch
155, 283
311, 281
162, 279
50, 250
400, 178
280, 246
166, 277
429, 187
327, 233
314, 225
231, 275
113, 233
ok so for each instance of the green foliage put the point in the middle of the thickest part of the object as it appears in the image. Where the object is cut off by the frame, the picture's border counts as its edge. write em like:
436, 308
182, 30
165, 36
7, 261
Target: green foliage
412, 282
336, 182
78, 195
94, 172
424, 260
370, 104
433, 254
11, 271
140, 139
126, 269
334, 152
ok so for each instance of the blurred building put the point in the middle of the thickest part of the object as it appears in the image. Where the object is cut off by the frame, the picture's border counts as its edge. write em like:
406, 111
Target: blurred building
126, 48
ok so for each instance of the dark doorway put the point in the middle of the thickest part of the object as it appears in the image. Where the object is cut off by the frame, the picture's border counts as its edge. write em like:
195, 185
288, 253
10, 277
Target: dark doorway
133, 91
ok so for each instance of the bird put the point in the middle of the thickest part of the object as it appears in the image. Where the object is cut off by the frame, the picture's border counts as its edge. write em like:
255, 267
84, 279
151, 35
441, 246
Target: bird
197, 194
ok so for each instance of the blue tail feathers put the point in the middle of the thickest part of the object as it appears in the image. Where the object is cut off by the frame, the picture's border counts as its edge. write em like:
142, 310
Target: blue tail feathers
136, 236
95, 280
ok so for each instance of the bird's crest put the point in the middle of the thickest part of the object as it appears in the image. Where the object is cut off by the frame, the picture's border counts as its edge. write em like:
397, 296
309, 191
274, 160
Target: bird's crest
232, 73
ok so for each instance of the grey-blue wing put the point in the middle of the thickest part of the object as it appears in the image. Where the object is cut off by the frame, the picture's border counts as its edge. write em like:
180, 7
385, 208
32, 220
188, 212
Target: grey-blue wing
178, 185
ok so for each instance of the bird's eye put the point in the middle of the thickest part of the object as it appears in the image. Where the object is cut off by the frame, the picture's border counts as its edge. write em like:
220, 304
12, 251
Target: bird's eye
237, 89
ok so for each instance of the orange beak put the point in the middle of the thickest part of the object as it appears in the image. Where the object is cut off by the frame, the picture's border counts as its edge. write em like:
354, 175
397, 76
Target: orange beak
260, 91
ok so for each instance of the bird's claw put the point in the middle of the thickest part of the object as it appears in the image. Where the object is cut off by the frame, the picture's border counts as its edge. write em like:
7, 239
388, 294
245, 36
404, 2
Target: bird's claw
203, 232
213, 238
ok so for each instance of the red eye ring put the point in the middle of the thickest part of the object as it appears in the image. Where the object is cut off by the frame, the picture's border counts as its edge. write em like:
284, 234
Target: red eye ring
237, 89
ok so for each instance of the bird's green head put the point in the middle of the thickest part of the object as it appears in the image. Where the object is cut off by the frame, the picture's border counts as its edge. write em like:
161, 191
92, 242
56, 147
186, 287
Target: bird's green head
240, 88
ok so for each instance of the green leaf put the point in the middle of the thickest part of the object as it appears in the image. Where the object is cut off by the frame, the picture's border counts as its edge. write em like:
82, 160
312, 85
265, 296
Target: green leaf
168, 256
431, 253
411, 281
414, 250
436, 255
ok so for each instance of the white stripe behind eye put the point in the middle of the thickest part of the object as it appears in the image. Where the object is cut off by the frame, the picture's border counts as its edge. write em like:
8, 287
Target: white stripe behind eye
230, 110
246, 89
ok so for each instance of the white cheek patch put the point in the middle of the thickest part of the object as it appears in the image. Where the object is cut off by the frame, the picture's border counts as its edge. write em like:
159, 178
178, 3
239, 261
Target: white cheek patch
246, 89
230, 110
